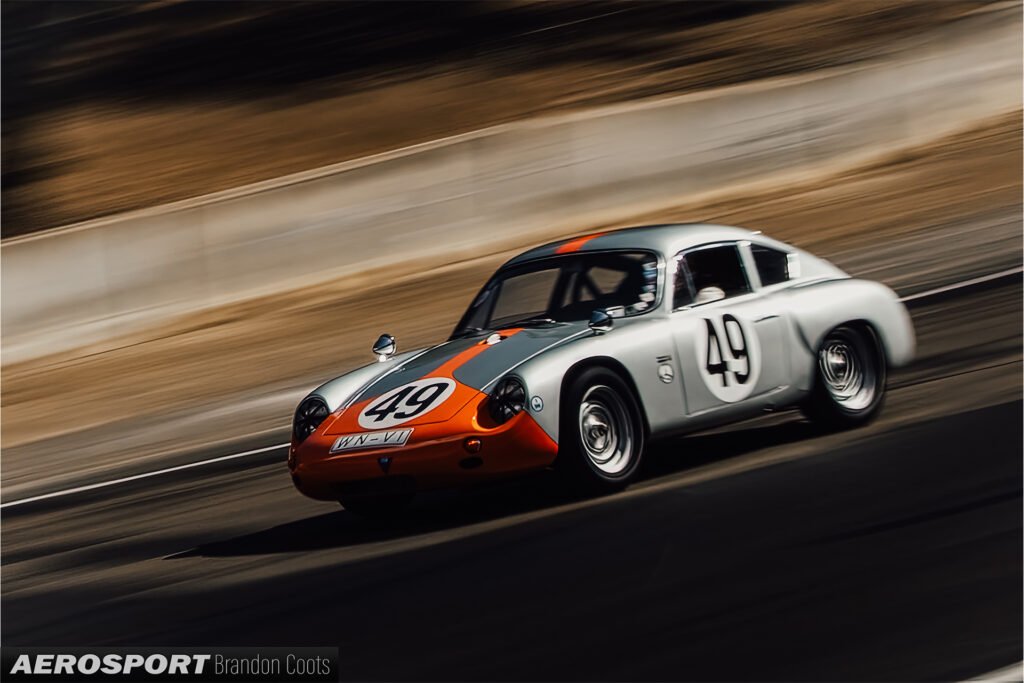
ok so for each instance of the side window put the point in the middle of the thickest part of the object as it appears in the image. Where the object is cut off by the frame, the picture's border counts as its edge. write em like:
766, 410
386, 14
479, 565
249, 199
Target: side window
772, 264
719, 267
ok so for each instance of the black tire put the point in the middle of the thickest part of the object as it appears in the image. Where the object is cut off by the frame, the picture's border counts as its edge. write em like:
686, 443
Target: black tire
377, 506
849, 378
590, 465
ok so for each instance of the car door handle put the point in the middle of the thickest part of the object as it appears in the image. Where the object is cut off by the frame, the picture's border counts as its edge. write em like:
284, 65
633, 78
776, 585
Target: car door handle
768, 316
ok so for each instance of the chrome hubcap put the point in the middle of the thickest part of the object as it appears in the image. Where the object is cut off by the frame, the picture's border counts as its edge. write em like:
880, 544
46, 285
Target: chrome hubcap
849, 373
605, 430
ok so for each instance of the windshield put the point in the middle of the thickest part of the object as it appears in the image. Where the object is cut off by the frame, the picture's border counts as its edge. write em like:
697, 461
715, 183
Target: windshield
565, 289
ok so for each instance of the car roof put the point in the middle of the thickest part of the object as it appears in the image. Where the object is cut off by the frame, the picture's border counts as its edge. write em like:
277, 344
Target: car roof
666, 239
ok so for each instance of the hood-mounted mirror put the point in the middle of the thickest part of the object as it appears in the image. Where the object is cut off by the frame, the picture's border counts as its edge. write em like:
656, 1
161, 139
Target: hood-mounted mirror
601, 321
384, 347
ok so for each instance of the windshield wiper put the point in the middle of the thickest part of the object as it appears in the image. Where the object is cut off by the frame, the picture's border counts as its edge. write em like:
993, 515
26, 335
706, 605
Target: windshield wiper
469, 332
529, 322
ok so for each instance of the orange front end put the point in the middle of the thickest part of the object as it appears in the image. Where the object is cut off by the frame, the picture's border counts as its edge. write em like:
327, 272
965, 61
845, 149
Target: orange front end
466, 447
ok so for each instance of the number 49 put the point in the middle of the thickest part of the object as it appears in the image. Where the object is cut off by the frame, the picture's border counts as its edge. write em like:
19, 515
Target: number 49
736, 343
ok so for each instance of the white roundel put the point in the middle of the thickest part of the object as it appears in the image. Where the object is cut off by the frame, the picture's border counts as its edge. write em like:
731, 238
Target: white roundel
728, 356
405, 403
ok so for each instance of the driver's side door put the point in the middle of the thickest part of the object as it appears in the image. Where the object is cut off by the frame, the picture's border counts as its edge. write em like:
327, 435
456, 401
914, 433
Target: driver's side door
729, 338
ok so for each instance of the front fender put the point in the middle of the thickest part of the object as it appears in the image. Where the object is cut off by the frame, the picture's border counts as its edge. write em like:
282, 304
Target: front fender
338, 391
633, 346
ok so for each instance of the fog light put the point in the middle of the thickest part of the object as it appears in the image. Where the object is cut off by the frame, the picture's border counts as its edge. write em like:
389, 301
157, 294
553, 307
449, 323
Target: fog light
472, 445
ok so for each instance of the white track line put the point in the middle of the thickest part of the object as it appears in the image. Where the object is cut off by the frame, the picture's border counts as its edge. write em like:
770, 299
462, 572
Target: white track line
961, 285
168, 470
144, 475
1014, 672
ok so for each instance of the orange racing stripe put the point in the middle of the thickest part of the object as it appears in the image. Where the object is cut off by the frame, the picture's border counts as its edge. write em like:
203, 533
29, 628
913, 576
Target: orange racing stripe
576, 244
455, 362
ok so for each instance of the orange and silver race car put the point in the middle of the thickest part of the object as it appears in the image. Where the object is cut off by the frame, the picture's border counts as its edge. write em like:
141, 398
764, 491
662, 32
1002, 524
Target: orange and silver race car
575, 354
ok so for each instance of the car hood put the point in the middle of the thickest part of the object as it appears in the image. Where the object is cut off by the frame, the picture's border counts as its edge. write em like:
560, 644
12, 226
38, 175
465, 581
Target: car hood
476, 361
473, 362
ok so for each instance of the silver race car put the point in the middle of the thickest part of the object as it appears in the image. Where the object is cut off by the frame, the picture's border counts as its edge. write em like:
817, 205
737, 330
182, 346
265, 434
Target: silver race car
577, 353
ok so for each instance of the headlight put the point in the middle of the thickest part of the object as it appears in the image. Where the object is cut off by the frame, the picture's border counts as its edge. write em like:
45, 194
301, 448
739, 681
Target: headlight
507, 400
310, 413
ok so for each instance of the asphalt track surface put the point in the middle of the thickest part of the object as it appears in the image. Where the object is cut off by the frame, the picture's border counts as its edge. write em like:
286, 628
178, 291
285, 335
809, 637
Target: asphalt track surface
767, 551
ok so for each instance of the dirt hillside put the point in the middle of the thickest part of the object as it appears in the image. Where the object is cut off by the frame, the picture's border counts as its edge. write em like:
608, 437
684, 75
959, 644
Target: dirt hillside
117, 106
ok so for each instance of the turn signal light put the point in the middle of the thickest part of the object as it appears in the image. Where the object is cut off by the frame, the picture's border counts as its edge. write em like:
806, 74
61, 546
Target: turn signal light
472, 445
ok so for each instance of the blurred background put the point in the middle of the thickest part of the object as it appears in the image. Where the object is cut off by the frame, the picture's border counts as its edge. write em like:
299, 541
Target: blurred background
110, 107
130, 282
211, 207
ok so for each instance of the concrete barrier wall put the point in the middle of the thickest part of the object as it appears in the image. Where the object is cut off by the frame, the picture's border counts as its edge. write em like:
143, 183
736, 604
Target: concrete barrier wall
473, 193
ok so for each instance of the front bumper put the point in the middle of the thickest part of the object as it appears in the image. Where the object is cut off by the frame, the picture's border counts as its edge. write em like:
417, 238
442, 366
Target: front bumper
435, 456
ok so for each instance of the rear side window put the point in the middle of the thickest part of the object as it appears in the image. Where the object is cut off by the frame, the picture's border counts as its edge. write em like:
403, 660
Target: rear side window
719, 267
772, 264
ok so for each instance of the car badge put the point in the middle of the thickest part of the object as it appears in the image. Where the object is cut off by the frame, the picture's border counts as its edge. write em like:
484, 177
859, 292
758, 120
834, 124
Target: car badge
666, 373
385, 463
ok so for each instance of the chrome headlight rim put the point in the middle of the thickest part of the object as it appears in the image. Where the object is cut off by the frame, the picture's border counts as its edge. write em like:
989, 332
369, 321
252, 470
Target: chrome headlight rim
507, 399
310, 414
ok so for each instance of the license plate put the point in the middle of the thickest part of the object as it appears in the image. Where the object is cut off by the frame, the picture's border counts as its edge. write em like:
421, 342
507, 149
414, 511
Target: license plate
392, 438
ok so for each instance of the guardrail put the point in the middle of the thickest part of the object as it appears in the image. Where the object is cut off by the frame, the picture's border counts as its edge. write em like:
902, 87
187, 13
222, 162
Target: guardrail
486, 191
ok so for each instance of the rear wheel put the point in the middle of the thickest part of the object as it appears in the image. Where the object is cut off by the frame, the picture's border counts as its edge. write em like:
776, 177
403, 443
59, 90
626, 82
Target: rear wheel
849, 386
601, 433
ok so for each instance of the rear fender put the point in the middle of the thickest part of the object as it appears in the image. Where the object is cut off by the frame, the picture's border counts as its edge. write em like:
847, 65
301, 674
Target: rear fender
821, 307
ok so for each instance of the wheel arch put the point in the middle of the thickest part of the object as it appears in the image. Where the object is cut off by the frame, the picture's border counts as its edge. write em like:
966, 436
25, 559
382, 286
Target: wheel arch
613, 365
822, 405
861, 324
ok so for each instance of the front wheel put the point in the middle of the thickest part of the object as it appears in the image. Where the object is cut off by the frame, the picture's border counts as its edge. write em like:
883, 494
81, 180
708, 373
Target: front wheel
601, 433
849, 383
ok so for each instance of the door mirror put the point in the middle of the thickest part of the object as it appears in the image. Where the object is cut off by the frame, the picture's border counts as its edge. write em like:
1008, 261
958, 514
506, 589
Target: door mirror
600, 321
384, 347
707, 295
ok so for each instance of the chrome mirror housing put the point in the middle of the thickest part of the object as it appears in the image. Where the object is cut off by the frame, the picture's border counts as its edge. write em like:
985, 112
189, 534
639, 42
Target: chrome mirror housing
601, 321
384, 347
